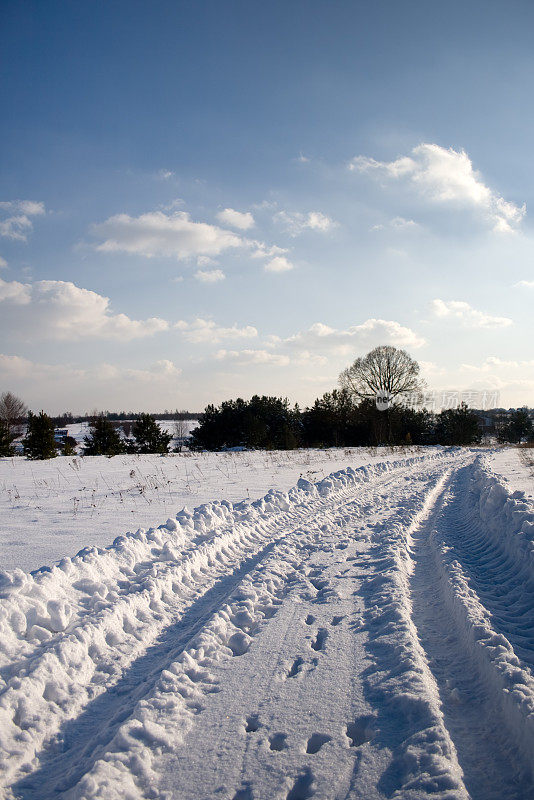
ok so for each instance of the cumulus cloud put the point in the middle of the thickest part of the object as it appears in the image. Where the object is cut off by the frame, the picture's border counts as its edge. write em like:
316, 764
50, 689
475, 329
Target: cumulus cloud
156, 233
278, 264
296, 222
17, 223
512, 378
493, 363
321, 345
445, 175
210, 275
262, 250
246, 357
321, 338
101, 385
524, 285
206, 331
62, 310
242, 220
398, 224
471, 317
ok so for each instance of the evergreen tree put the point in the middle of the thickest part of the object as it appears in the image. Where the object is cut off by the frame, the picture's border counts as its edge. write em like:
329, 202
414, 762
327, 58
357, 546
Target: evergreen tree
149, 436
262, 422
68, 446
6, 439
39, 442
519, 427
457, 426
103, 439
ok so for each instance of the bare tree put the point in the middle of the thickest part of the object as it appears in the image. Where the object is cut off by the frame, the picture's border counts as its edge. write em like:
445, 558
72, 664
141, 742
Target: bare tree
13, 411
181, 430
384, 369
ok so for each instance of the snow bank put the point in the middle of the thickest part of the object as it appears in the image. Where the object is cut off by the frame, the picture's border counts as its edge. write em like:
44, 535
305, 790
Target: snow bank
495, 532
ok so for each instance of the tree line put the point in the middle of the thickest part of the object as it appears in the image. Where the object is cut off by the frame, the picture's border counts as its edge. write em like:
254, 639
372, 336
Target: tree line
373, 406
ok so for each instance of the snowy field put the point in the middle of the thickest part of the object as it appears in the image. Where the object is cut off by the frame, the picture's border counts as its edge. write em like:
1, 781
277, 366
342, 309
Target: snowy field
365, 634
51, 509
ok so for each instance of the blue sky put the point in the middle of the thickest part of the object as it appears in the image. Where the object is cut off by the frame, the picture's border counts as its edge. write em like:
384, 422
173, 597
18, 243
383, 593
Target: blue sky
206, 199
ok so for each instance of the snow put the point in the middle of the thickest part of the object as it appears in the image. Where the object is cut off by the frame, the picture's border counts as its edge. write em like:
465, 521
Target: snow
50, 509
516, 467
365, 634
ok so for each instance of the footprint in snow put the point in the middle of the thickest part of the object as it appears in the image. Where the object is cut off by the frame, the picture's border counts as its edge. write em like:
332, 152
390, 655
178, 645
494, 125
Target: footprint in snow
295, 667
302, 788
278, 741
252, 724
361, 730
245, 793
316, 741
320, 640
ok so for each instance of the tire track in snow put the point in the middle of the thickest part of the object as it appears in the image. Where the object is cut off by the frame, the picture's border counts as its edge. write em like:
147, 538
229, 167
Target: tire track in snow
354, 498
503, 582
84, 739
493, 765
321, 697
202, 566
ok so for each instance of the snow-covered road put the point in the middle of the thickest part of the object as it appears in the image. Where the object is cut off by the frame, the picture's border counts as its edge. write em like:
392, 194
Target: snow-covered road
368, 636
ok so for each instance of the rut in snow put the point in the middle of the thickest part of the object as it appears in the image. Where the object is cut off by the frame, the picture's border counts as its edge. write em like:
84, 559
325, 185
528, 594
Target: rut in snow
83, 739
493, 766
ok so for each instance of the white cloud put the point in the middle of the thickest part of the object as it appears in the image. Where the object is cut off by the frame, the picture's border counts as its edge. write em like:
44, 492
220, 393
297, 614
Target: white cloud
493, 363
524, 285
236, 219
262, 250
321, 338
321, 345
159, 234
278, 264
513, 379
103, 385
444, 175
398, 224
210, 276
206, 331
14, 292
3, 262
165, 174
246, 357
458, 309
15, 366
62, 310
206, 261
18, 224
401, 224
296, 222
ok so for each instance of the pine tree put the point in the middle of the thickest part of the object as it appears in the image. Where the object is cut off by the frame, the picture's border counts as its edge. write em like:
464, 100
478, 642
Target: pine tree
39, 442
6, 446
68, 446
103, 439
149, 436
